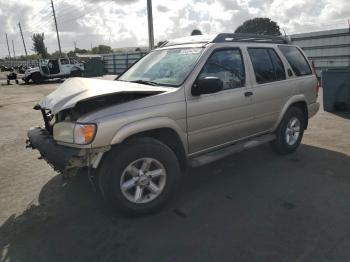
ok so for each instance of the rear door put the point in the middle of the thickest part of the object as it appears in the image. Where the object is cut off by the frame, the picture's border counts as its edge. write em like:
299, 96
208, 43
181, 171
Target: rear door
270, 86
217, 119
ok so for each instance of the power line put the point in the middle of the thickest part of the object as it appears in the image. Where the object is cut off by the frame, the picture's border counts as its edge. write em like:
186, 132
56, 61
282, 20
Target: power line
80, 16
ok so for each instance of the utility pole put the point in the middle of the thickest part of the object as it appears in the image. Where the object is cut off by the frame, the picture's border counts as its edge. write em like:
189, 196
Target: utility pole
150, 24
13, 48
284, 31
75, 45
58, 37
24, 44
8, 47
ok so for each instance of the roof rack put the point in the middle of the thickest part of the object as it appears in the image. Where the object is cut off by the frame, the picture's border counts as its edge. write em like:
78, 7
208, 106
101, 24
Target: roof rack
242, 37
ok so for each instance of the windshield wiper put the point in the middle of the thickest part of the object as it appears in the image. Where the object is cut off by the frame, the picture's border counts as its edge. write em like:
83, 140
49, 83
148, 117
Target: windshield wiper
145, 82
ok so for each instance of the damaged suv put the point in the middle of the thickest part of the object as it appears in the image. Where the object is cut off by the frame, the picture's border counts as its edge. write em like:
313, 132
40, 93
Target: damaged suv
188, 103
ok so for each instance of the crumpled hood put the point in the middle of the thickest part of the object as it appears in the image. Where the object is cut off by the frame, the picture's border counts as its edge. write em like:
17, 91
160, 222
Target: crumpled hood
77, 89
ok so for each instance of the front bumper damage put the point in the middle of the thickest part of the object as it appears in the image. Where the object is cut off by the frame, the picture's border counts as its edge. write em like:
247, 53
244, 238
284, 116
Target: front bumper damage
66, 160
61, 158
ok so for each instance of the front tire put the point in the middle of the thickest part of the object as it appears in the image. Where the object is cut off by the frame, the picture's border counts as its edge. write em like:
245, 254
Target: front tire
139, 176
290, 131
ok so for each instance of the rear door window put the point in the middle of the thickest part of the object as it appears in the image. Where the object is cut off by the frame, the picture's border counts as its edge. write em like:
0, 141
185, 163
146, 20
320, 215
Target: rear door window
296, 60
268, 67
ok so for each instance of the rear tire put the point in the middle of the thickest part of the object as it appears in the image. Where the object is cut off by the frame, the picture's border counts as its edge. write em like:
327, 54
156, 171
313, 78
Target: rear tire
139, 176
290, 131
37, 78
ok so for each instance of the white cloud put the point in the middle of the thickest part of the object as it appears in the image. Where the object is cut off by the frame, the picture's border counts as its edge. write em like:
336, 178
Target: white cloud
121, 23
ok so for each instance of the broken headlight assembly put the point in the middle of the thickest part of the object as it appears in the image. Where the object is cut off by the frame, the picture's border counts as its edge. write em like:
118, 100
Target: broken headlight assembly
74, 133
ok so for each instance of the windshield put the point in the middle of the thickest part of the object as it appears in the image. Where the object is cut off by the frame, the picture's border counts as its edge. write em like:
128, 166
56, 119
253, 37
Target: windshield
168, 67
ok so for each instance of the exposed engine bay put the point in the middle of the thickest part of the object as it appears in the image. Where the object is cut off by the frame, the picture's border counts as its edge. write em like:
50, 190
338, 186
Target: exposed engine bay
86, 106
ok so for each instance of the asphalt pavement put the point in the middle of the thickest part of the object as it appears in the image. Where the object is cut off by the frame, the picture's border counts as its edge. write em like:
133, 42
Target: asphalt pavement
252, 206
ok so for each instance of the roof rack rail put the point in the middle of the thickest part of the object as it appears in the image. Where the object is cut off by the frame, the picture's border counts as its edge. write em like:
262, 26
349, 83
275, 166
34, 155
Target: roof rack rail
243, 37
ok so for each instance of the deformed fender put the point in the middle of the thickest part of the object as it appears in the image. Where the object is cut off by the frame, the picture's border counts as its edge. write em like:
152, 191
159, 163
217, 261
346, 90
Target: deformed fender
292, 100
149, 124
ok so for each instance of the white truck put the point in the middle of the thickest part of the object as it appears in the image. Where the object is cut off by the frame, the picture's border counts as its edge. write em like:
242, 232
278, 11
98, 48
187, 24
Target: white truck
53, 68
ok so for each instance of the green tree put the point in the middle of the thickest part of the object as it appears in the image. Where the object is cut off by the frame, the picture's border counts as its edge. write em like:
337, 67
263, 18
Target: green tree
76, 51
39, 45
57, 54
29, 57
102, 49
80, 51
196, 32
259, 25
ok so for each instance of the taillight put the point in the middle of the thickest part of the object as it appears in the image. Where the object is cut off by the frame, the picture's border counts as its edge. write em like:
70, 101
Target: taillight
317, 82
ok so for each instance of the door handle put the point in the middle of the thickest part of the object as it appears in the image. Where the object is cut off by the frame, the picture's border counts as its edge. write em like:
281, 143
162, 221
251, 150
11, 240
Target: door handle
247, 94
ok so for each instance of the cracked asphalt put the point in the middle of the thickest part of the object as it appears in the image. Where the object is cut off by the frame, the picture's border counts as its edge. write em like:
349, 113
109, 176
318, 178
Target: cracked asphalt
252, 206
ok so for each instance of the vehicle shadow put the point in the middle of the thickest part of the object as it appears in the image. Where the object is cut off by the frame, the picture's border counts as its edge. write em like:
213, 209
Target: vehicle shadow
342, 113
252, 206
53, 81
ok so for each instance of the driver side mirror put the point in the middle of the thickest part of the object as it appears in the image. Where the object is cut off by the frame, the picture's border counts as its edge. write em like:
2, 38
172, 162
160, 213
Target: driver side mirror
207, 85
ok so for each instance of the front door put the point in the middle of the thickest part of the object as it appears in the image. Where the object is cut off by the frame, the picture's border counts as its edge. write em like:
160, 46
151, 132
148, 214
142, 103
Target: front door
218, 119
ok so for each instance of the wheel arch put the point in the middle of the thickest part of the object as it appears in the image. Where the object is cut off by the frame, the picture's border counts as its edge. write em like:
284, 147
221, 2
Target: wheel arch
296, 101
163, 129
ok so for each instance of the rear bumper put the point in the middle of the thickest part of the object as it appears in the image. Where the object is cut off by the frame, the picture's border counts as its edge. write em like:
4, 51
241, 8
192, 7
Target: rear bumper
313, 109
60, 157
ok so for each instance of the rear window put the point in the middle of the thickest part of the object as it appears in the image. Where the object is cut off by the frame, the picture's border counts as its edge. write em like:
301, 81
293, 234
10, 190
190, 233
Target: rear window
296, 60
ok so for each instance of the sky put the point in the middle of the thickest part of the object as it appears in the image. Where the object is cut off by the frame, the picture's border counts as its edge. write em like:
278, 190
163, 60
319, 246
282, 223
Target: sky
123, 23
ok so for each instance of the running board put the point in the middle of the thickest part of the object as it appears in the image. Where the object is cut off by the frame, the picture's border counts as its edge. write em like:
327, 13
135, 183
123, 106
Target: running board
229, 150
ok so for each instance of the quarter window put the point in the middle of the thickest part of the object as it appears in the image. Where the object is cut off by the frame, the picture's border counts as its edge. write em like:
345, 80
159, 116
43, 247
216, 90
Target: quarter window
268, 67
227, 65
296, 60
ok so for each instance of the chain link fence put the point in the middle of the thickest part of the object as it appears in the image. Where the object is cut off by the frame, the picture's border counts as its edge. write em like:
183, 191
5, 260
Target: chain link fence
114, 63
14, 63
118, 63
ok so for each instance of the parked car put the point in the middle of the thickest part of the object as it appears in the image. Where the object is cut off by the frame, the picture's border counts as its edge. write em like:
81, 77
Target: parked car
53, 68
5, 68
12, 76
188, 103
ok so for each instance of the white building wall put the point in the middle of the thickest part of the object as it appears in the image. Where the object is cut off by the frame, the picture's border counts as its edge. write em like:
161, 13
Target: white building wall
328, 49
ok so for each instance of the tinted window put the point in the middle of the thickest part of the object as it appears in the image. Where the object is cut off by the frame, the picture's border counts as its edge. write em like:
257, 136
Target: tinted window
296, 60
227, 65
267, 65
278, 65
